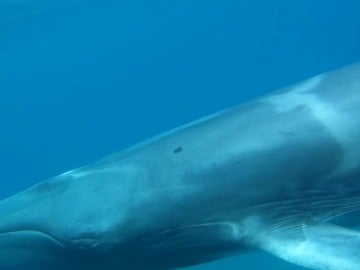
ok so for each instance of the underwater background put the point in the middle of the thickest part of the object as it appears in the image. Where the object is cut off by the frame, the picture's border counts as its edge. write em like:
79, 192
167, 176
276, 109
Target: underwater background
81, 79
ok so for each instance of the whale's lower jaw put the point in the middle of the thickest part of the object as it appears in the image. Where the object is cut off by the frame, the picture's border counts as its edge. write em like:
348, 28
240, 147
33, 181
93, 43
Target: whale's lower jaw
32, 249
35, 250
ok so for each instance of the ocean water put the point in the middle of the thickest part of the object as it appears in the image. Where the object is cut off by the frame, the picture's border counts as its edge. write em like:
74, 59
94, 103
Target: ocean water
84, 78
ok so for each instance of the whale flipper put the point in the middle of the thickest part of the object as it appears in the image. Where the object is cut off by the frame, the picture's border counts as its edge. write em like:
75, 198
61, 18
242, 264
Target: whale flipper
315, 245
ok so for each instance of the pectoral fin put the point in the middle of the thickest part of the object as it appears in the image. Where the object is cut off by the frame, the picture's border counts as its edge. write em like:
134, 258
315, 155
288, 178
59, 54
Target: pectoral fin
311, 244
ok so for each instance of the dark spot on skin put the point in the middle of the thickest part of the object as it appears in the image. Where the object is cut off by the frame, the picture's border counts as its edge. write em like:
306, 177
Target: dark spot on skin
177, 150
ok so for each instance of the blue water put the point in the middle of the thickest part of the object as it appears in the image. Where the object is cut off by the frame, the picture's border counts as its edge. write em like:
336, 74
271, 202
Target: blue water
81, 79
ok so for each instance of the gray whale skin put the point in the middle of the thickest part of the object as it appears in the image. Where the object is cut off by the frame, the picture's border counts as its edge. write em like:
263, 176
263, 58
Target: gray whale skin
279, 174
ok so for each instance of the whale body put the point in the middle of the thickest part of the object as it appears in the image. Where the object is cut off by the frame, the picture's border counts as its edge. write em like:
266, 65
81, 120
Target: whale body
280, 174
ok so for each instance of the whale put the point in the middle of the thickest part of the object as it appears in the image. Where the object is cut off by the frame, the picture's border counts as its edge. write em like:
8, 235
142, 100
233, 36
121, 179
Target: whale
277, 174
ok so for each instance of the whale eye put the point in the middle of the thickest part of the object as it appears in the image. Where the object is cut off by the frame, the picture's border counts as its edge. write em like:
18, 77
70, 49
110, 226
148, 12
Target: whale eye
178, 150
85, 243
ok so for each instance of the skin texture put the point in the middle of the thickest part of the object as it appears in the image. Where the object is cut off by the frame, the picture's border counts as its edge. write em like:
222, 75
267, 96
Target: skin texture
243, 179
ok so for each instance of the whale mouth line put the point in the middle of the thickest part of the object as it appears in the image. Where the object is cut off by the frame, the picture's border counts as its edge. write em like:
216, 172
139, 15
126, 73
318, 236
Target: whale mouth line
31, 235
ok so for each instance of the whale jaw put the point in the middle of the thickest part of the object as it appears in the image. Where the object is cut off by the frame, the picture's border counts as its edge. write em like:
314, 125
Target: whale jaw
29, 248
